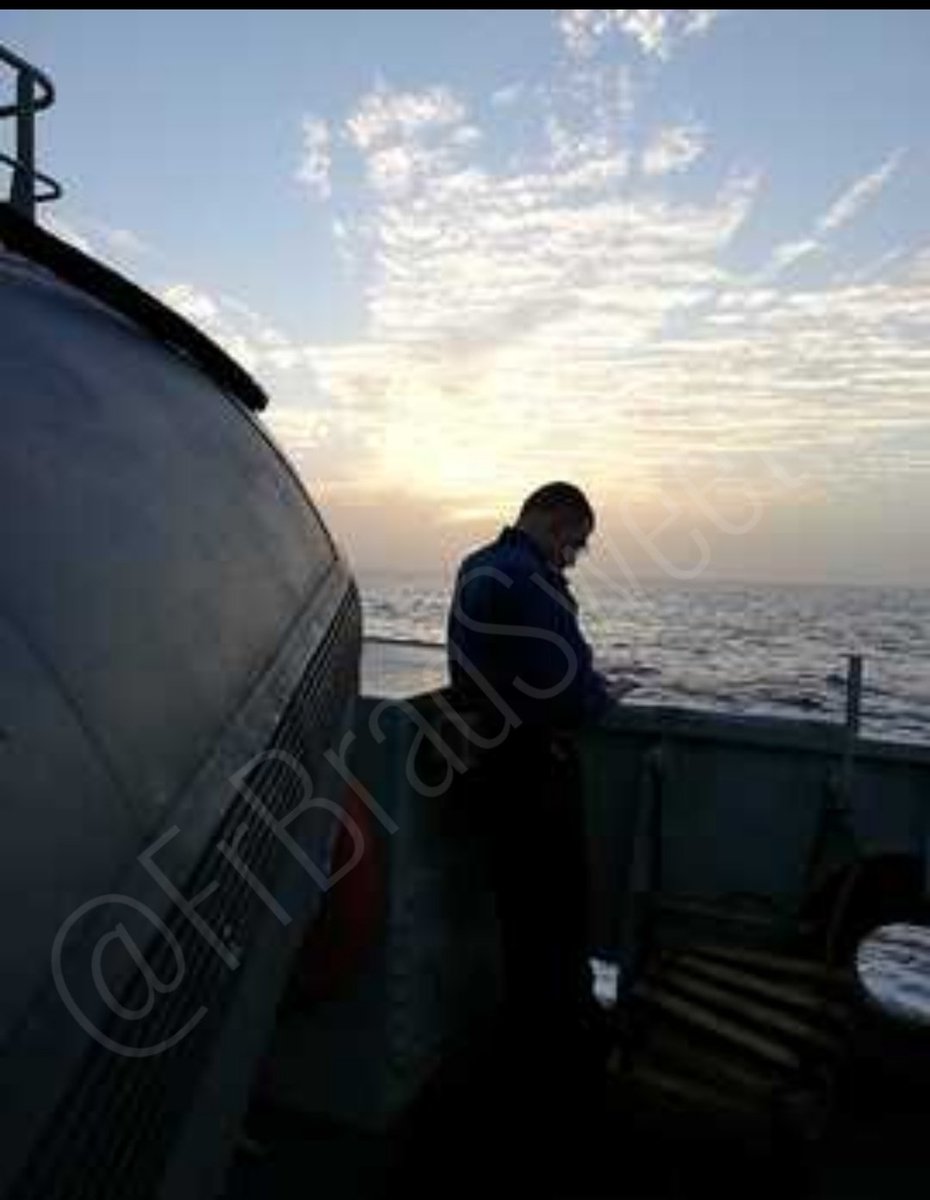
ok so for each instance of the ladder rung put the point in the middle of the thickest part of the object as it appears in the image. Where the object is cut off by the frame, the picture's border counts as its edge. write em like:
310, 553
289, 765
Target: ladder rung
780, 964
796, 995
665, 1045
695, 1015
751, 1010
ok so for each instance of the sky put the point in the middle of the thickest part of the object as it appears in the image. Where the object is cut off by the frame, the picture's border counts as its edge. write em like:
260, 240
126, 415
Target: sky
679, 257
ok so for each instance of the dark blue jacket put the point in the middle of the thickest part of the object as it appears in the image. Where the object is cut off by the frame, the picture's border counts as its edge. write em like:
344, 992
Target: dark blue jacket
513, 625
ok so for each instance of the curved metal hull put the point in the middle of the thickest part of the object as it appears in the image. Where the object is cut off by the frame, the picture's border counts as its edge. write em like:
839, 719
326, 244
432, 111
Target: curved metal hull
171, 608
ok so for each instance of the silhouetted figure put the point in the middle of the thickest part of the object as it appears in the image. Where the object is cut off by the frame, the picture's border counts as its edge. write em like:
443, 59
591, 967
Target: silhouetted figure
516, 655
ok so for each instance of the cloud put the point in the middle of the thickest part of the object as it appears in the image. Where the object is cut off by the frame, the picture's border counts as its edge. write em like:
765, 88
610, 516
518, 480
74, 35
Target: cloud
316, 157
196, 306
384, 114
547, 311
66, 230
125, 242
506, 96
674, 149
552, 312
872, 270
788, 253
244, 333
405, 137
700, 20
857, 196
558, 315
656, 31
493, 296
844, 210
116, 245
583, 28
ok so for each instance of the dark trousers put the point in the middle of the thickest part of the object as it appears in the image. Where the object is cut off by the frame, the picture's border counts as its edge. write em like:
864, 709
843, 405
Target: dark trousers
528, 797
544, 1071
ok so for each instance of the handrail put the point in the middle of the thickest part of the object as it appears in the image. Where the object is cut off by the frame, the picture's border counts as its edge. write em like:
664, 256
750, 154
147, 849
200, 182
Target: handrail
54, 187
34, 92
21, 67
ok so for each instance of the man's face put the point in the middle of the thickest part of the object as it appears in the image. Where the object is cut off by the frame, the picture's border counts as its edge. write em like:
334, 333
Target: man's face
569, 538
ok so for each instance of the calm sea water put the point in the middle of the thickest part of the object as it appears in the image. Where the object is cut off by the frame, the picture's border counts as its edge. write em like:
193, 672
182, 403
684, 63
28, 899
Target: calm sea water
727, 648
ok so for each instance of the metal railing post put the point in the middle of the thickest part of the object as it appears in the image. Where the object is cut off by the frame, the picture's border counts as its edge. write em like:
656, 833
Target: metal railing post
22, 194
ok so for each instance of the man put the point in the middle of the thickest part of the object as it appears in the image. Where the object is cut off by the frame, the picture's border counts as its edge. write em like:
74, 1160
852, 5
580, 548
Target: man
513, 636
517, 656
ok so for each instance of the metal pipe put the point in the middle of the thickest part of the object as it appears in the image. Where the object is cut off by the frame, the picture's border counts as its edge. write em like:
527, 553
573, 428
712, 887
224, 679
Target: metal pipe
34, 91
22, 194
853, 693
43, 91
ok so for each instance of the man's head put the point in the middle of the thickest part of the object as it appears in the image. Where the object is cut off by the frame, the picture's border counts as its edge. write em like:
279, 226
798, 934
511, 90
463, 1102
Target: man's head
559, 519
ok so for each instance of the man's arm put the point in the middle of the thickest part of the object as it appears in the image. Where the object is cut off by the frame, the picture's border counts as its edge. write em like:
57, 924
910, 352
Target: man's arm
553, 657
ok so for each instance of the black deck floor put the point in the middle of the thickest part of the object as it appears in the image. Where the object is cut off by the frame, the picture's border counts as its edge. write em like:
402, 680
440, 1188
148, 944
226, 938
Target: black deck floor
474, 1132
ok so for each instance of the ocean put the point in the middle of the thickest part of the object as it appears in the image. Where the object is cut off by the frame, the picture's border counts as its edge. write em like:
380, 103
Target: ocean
732, 648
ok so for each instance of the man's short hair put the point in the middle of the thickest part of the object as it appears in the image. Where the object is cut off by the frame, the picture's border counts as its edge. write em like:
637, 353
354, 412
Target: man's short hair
562, 497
